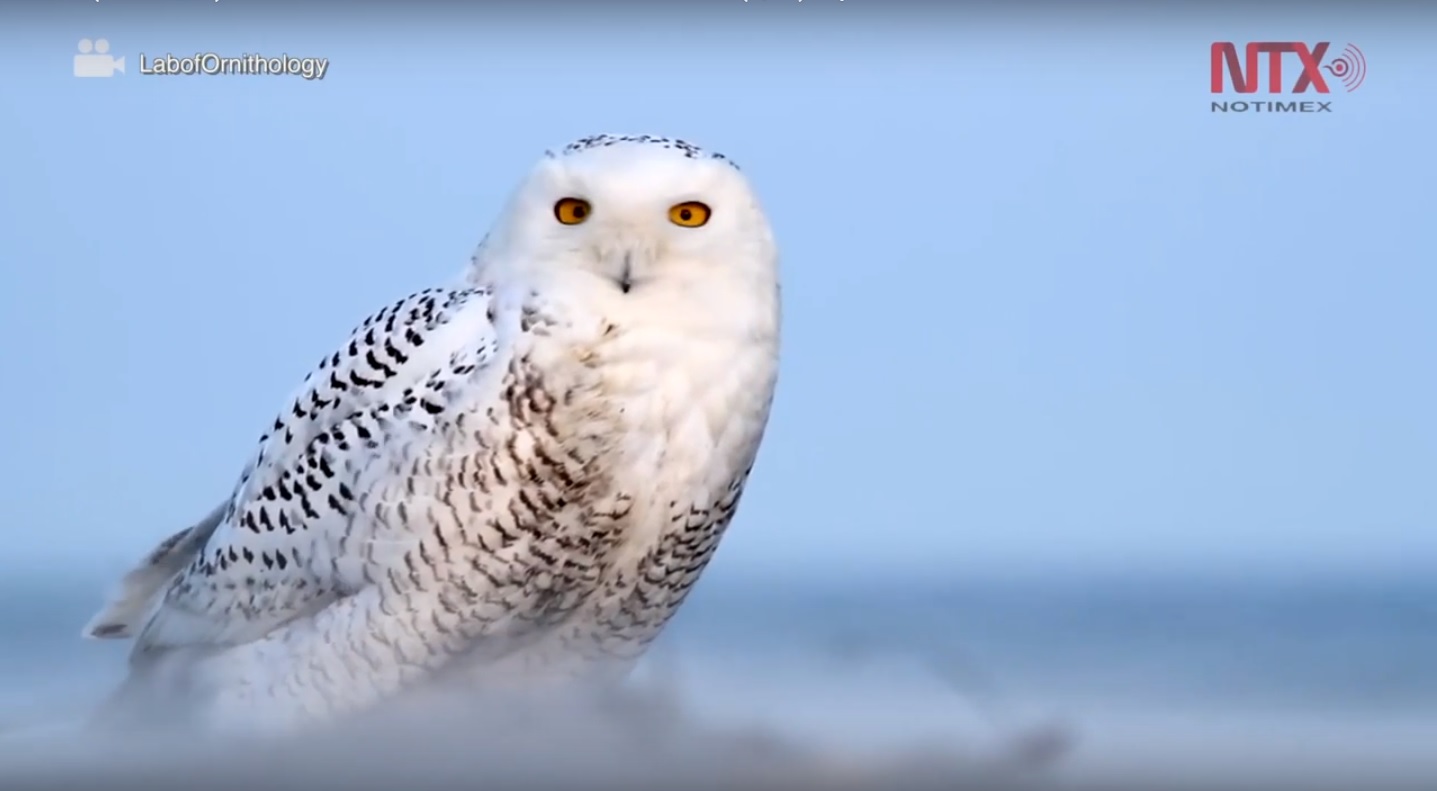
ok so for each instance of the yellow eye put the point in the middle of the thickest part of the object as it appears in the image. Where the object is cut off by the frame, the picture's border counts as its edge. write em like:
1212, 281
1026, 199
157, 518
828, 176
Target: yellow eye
572, 211
690, 215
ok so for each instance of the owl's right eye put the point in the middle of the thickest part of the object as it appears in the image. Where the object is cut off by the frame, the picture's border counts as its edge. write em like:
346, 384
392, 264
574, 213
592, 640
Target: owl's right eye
572, 211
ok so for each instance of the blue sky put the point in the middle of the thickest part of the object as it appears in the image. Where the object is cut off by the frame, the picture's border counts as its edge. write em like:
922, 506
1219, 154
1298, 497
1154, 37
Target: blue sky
1044, 311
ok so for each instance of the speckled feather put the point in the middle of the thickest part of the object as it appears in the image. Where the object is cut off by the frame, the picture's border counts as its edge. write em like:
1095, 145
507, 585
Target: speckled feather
518, 476
689, 150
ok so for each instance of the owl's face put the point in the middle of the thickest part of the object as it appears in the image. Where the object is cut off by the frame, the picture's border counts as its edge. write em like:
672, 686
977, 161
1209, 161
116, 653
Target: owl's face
638, 214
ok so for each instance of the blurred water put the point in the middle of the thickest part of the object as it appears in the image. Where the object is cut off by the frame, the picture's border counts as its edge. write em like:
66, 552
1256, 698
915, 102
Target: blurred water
1185, 676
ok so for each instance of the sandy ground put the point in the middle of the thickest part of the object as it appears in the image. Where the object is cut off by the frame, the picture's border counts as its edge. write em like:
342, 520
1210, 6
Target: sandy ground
649, 740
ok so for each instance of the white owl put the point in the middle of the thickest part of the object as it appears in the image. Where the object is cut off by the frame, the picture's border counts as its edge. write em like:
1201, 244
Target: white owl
516, 476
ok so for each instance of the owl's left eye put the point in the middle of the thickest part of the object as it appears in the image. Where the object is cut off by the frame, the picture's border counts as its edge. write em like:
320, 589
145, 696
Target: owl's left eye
691, 214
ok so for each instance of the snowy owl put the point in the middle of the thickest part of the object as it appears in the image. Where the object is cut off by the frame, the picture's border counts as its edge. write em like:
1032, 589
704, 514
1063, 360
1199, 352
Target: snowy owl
519, 475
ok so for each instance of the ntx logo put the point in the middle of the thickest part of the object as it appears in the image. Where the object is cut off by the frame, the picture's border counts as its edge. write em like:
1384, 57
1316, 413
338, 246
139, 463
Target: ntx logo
1347, 69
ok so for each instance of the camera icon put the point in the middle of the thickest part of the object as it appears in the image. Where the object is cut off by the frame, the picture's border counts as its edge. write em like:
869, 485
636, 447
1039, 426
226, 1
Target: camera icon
95, 59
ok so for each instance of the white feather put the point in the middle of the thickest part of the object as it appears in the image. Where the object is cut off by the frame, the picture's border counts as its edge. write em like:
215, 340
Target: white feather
517, 476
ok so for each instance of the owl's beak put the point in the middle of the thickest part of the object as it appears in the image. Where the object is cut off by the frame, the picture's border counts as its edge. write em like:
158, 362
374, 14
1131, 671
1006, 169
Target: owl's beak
625, 264
626, 274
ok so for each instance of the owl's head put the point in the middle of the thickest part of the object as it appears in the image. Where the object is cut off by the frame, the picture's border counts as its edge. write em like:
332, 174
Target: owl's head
636, 214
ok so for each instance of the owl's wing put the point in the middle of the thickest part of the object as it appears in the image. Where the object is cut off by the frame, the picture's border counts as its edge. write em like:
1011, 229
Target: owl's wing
440, 481
275, 550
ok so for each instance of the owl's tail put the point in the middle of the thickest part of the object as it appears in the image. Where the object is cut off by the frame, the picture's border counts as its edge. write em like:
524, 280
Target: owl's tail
128, 604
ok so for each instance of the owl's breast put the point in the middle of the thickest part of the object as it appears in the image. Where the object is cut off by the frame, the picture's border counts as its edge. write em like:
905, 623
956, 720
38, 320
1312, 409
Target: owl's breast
692, 411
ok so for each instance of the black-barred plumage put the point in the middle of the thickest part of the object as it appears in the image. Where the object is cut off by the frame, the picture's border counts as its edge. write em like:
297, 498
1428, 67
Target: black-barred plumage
515, 478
